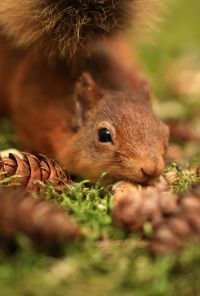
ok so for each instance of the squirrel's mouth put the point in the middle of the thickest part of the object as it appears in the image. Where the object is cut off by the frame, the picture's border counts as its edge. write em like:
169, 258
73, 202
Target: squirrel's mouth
145, 181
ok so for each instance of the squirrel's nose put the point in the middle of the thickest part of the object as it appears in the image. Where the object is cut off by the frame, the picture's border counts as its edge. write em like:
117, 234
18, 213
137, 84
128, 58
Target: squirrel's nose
153, 168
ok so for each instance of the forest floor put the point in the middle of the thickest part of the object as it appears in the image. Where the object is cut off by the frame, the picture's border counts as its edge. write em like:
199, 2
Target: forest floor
108, 261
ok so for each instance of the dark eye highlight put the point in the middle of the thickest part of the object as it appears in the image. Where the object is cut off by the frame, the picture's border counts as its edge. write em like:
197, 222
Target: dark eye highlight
104, 135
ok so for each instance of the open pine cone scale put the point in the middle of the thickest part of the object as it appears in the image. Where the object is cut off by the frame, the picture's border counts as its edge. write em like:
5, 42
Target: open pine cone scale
29, 169
174, 219
44, 223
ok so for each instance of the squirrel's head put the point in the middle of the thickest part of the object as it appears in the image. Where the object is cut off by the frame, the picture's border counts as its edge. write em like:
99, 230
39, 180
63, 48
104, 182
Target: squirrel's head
116, 133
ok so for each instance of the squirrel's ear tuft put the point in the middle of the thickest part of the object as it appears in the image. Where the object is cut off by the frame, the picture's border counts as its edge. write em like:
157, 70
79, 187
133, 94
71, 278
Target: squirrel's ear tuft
87, 93
87, 89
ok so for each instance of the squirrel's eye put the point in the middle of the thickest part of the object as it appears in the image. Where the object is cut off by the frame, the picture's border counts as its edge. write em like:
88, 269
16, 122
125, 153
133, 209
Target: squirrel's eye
104, 135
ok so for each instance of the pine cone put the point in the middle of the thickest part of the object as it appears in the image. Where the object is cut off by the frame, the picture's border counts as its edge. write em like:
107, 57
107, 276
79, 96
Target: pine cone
174, 219
31, 168
45, 224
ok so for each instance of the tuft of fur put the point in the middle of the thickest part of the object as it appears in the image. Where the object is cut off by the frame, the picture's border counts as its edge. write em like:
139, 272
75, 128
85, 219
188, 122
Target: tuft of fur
61, 27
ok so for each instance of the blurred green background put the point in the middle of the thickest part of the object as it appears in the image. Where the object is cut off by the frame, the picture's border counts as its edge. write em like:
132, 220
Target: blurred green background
178, 36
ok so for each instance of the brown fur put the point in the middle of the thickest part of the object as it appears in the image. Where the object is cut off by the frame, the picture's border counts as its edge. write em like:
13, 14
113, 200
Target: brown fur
139, 139
58, 111
63, 27
58, 107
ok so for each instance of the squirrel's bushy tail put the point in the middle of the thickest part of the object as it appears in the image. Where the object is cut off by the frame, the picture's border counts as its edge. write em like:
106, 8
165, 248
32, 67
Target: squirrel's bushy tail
63, 26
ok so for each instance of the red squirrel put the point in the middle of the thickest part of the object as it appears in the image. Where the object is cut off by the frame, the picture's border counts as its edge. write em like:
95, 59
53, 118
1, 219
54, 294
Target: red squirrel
74, 91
